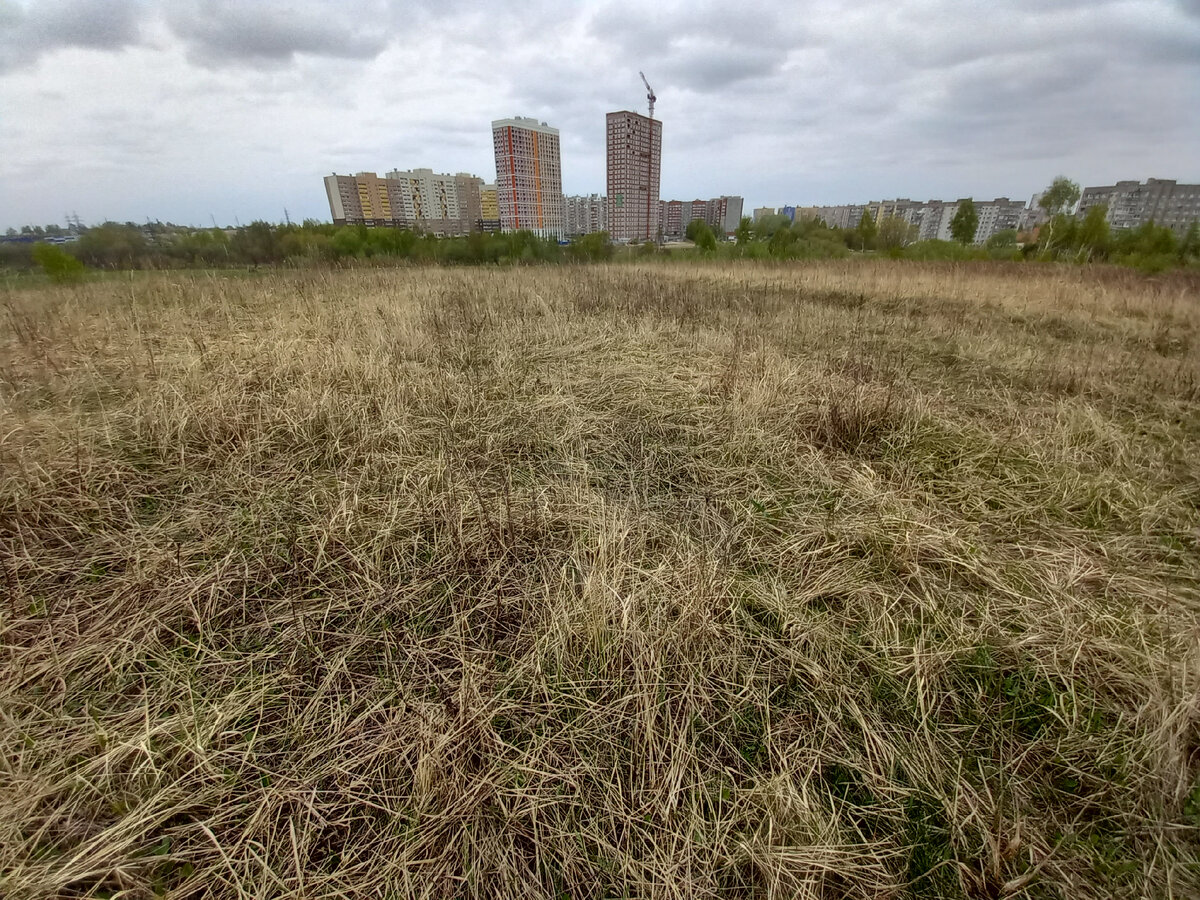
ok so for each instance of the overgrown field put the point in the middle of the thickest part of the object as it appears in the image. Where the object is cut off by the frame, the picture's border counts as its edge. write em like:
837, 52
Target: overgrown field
841, 580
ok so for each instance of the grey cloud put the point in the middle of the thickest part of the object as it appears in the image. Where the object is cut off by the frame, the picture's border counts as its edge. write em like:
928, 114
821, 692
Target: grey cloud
28, 33
826, 101
707, 67
653, 33
216, 32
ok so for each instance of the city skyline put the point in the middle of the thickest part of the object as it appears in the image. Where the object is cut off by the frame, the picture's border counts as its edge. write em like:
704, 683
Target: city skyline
231, 110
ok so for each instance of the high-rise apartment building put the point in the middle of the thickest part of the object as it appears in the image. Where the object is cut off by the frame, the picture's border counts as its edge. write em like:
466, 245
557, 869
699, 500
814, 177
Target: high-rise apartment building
528, 176
489, 208
470, 200
932, 218
634, 146
585, 215
426, 200
418, 198
1131, 203
361, 199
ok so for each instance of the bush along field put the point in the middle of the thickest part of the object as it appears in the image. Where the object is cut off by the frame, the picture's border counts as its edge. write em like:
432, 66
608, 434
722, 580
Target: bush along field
861, 579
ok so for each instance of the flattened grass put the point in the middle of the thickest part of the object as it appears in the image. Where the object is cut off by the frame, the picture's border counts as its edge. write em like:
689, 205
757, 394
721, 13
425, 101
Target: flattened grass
797, 581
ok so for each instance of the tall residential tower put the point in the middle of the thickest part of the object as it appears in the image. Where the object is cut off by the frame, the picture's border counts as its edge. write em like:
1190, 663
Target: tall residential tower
528, 177
634, 167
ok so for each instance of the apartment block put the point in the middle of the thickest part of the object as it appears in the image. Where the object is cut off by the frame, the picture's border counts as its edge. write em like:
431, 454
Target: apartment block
489, 208
417, 198
585, 214
434, 203
762, 212
998, 215
725, 214
722, 214
528, 176
634, 147
932, 218
1131, 203
672, 213
470, 200
361, 199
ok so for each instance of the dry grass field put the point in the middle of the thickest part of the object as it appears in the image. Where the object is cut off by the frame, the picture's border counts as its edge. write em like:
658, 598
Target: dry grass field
838, 580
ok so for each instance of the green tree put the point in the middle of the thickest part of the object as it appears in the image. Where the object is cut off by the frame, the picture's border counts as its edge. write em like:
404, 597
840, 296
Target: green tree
256, 243
767, 225
113, 244
1057, 200
1189, 247
592, 247
701, 235
1094, 237
965, 222
895, 233
1002, 240
60, 266
866, 231
1060, 197
744, 231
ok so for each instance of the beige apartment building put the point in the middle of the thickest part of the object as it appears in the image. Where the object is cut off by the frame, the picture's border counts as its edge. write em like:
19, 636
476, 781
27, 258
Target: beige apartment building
418, 198
361, 199
634, 144
529, 193
489, 208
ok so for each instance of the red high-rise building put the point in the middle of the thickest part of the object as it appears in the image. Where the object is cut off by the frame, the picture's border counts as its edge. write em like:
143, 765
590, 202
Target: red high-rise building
634, 146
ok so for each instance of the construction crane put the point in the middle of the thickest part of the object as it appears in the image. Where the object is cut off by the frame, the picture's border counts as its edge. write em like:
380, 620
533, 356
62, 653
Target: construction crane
649, 93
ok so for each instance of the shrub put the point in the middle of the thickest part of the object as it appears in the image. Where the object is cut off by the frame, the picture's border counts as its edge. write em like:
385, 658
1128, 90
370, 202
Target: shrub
60, 266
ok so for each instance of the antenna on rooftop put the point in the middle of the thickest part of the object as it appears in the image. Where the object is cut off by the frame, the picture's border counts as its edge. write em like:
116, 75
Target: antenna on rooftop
649, 93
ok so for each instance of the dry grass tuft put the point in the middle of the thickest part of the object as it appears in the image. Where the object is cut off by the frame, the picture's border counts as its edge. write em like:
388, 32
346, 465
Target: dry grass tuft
871, 580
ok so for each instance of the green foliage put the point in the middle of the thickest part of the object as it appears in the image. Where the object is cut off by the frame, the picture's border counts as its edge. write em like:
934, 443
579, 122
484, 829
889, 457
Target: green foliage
806, 240
113, 245
965, 222
1060, 197
257, 243
1094, 237
1189, 247
701, 235
1149, 247
1002, 240
931, 251
866, 231
894, 232
766, 227
592, 247
157, 245
61, 267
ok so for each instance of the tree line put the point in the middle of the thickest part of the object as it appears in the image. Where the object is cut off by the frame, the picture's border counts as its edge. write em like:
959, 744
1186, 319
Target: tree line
157, 246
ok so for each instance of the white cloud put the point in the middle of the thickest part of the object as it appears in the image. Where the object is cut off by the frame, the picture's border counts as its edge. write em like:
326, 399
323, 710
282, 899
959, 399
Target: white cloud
127, 110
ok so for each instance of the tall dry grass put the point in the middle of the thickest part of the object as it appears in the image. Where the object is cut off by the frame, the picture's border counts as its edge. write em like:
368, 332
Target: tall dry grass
870, 580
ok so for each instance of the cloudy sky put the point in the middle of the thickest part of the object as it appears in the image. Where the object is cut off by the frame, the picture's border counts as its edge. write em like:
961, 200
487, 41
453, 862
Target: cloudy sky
184, 109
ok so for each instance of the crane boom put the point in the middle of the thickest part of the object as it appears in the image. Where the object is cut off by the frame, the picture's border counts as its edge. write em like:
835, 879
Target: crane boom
649, 93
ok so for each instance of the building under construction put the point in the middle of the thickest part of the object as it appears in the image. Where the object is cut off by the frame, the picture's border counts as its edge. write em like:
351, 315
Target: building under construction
634, 168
